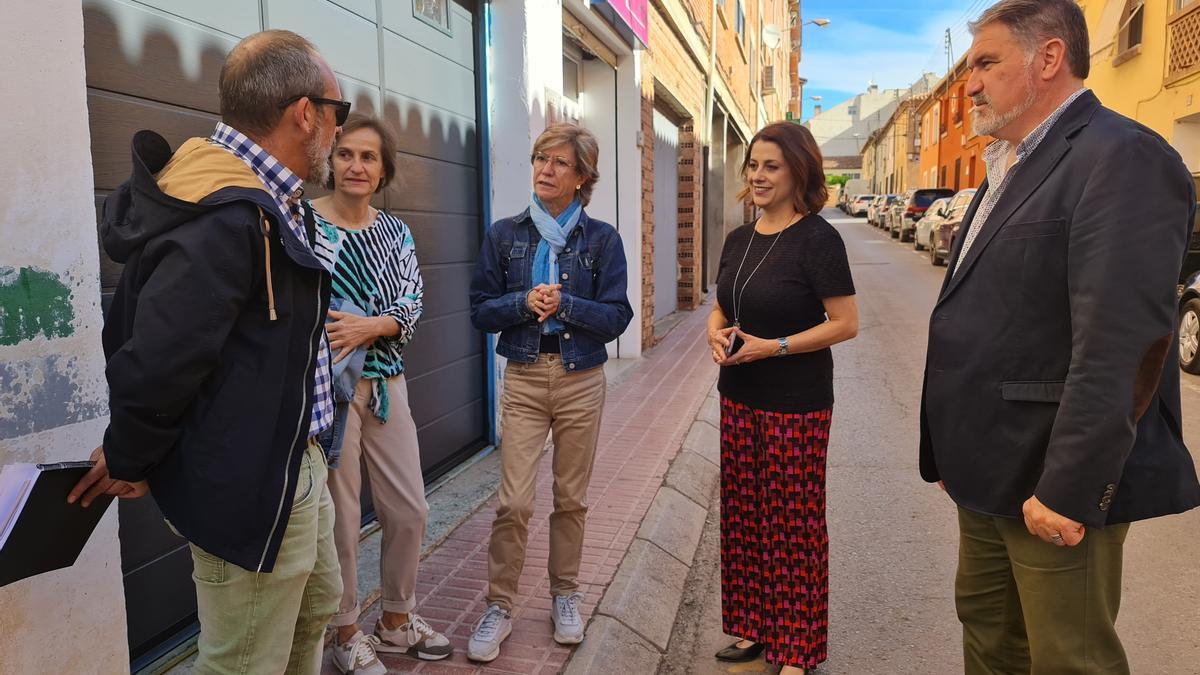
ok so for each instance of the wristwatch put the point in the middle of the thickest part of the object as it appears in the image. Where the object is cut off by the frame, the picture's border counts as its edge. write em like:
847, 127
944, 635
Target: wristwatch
782, 347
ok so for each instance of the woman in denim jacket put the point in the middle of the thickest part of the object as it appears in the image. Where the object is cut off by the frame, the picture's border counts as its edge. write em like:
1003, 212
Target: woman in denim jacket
552, 282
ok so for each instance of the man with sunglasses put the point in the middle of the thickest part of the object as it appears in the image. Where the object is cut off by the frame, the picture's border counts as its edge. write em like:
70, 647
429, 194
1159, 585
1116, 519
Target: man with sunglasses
218, 365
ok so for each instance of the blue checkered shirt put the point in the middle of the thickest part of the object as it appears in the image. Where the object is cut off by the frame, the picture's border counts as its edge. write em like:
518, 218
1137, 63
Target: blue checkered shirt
286, 188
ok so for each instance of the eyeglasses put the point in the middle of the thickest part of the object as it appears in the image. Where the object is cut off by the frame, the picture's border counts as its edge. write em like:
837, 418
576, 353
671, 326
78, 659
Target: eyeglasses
560, 163
341, 108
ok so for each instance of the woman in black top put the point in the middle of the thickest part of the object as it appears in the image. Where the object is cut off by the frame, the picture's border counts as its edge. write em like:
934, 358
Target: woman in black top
784, 295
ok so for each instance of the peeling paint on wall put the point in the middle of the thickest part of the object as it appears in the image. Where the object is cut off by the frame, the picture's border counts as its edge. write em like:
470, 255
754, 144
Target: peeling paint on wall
41, 394
33, 302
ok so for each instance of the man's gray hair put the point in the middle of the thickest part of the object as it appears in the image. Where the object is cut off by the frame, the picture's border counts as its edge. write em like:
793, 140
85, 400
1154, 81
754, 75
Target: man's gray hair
1033, 22
261, 72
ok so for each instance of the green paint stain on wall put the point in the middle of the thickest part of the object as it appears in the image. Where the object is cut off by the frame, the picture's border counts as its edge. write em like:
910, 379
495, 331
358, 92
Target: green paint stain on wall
33, 302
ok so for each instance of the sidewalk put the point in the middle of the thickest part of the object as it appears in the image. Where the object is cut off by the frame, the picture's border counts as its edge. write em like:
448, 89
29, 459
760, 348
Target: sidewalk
646, 418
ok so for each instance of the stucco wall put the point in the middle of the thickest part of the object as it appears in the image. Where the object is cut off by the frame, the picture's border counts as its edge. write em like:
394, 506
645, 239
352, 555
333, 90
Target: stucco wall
52, 390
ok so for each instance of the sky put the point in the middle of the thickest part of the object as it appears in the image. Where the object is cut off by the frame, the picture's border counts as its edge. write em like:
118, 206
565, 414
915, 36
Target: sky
890, 42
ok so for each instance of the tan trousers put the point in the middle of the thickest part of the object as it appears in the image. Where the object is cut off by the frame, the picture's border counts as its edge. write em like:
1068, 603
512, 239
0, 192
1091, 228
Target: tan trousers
393, 463
539, 398
252, 623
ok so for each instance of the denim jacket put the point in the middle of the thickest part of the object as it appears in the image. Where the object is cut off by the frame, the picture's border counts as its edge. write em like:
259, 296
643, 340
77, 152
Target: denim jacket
346, 374
592, 272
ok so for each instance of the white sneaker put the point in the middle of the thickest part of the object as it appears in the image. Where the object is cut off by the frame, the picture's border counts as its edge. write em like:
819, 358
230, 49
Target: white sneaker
491, 629
416, 637
357, 656
568, 625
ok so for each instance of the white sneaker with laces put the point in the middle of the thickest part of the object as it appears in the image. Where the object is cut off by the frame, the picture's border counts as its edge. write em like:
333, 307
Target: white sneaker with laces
491, 629
357, 656
568, 625
416, 637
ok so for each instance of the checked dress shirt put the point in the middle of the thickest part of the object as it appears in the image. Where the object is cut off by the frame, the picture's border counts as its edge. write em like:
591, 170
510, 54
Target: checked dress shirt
286, 188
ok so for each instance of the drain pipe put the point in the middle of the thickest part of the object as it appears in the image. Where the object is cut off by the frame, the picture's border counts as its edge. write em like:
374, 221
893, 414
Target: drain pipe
706, 148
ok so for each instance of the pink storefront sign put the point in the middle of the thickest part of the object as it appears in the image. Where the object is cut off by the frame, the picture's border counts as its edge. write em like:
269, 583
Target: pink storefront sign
633, 13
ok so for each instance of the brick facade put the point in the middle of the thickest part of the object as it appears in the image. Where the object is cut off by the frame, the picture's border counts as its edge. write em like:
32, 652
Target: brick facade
674, 82
691, 209
647, 215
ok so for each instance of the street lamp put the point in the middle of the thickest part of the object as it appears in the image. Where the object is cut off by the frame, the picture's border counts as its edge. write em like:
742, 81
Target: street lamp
799, 34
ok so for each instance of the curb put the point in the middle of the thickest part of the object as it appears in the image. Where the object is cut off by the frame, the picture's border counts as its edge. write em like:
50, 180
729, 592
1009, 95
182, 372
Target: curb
631, 628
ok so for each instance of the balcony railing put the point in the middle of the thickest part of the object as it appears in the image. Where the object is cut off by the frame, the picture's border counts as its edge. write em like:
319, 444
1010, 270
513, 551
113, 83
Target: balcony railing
1184, 56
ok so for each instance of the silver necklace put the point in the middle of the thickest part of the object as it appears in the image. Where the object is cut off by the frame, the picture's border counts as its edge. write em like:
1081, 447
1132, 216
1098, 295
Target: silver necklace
737, 295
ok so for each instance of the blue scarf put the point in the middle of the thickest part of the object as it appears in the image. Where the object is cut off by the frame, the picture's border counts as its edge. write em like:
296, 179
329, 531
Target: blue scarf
554, 233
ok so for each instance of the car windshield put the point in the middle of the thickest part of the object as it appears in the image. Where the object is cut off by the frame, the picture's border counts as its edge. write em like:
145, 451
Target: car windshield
926, 197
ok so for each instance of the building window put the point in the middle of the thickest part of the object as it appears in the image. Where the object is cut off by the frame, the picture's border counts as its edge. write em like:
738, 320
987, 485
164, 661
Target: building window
739, 22
570, 78
960, 101
957, 173
852, 111
943, 183
436, 13
1180, 4
1130, 33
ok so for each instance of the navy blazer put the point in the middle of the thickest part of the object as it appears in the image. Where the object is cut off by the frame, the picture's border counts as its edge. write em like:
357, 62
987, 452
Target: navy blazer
1052, 366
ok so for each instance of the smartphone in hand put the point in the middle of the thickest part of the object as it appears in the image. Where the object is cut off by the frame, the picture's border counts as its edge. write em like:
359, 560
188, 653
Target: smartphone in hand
735, 343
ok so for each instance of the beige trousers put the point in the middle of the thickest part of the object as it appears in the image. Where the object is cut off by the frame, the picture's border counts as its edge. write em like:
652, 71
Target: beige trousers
540, 398
393, 462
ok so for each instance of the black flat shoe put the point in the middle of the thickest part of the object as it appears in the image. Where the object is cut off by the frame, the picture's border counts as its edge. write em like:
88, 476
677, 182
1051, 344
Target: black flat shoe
737, 654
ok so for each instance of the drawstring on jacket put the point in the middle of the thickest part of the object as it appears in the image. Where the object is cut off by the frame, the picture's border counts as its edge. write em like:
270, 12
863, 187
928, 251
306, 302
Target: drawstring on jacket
266, 233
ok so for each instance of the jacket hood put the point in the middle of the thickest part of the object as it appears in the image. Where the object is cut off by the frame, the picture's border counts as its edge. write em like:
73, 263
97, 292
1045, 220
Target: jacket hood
168, 189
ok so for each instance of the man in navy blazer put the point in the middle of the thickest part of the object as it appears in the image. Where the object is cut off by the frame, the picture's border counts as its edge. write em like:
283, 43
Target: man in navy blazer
1050, 411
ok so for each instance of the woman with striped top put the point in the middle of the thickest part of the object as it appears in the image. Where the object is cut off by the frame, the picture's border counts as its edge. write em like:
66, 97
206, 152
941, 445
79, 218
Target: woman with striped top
374, 266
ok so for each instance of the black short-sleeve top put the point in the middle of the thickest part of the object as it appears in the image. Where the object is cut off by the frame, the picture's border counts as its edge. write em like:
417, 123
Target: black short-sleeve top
783, 297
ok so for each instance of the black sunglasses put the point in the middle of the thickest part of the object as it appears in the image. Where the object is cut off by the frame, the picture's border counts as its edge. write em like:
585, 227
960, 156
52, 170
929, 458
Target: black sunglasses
341, 108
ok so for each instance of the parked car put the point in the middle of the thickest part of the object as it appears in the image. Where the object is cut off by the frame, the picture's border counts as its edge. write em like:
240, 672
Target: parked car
888, 212
912, 208
933, 217
873, 210
881, 206
941, 240
858, 206
1191, 262
1189, 325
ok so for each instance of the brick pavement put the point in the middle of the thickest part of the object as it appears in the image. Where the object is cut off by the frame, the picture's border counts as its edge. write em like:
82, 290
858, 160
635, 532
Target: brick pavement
646, 417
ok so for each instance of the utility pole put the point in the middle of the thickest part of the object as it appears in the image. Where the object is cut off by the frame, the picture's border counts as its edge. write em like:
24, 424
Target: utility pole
949, 51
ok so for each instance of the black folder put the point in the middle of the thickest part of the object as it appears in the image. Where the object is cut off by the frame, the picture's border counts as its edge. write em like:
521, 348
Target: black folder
46, 532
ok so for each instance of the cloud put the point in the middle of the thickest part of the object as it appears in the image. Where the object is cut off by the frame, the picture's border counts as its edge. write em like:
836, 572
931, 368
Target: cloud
846, 58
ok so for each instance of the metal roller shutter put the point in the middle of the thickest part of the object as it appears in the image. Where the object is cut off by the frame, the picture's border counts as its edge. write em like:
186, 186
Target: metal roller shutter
155, 64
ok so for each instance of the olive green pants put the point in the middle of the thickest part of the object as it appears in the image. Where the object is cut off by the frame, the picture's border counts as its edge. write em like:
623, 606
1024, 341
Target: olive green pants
1027, 606
259, 623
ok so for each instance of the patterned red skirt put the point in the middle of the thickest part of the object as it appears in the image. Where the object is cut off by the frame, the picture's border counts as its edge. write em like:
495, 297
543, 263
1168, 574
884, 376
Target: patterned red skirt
774, 543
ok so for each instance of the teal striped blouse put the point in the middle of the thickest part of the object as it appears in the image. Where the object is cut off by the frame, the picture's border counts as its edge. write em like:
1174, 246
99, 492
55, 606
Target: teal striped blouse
376, 269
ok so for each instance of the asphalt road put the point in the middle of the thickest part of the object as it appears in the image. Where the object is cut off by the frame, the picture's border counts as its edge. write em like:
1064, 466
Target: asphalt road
894, 538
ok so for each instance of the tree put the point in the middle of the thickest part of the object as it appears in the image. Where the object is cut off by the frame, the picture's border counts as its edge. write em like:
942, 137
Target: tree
839, 181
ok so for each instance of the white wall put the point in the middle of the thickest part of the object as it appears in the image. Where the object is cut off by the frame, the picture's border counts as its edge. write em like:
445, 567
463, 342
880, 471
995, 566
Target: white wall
52, 389
525, 68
